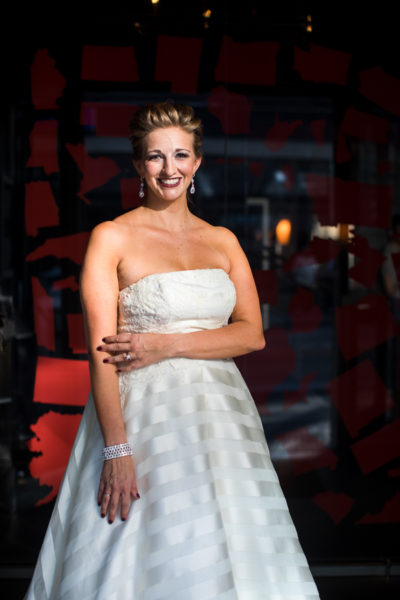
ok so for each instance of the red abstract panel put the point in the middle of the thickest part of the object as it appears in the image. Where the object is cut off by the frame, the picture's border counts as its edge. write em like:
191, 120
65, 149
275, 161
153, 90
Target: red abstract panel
183, 79
378, 448
342, 149
68, 246
338, 201
40, 207
247, 63
394, 472
390, 513
306, 452
318, 131
336, 505
385, 166
395, 256
304, 313
68, 283
109, 63
290, 176
96, 171
233, 110
322, 64
370, 260
130, 192
267, 286
43, 314
76, 333
381, 88
61, 381
47, 83
256, 167
267, 369
279, 358
276, 137
360, 396
318, 251
365, 126
300, 395
364, 325
43, 143
109, 119
55, 435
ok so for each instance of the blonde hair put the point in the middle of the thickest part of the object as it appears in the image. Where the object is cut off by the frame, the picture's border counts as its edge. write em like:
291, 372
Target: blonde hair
160, 115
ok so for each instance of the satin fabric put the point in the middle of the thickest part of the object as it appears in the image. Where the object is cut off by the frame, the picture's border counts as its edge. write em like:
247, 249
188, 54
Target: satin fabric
212, 522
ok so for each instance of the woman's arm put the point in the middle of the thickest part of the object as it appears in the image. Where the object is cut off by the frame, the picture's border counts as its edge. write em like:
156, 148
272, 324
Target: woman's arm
244, 334
99, 296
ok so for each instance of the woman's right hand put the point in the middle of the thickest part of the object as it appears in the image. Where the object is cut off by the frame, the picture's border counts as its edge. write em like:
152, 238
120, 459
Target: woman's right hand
117, 487
143, 349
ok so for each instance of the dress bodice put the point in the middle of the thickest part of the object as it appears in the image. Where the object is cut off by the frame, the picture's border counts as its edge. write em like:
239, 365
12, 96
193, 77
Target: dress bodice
177, 302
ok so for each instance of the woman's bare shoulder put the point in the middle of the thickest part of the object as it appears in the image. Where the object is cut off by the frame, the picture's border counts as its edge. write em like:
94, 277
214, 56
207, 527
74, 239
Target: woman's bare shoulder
221, 235
211, 229
105, 229
116, 230
132, 217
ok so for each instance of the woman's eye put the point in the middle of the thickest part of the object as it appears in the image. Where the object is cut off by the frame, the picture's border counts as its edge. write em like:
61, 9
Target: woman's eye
182, 155
153, 157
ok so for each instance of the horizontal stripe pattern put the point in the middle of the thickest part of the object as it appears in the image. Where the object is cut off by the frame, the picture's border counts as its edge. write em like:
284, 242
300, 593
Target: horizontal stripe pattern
212, 522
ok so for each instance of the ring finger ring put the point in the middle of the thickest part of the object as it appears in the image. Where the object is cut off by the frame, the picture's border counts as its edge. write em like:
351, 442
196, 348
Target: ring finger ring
106, 495
127, 356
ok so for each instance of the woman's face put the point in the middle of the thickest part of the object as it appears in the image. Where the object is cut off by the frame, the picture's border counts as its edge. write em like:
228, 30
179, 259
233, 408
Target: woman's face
168, 163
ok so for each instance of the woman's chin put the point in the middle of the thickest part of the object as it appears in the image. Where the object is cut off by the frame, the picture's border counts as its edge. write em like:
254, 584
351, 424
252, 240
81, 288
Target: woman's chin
168, 195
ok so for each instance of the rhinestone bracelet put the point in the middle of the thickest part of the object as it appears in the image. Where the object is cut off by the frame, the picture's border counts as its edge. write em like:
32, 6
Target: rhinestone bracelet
117, 451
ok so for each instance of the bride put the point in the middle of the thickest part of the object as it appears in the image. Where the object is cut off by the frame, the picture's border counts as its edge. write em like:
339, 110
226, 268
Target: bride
170, 438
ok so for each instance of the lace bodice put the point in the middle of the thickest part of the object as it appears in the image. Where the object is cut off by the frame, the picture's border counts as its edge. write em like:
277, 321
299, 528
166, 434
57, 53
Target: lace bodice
177, 302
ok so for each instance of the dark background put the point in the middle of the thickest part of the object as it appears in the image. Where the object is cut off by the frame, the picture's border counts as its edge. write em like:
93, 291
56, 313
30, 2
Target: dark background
299, 125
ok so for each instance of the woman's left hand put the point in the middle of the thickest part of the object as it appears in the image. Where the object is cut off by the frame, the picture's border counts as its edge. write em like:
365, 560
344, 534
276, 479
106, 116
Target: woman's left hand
130, 351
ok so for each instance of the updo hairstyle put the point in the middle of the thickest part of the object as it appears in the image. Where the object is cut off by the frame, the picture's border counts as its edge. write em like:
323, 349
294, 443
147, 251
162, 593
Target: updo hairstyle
161, 115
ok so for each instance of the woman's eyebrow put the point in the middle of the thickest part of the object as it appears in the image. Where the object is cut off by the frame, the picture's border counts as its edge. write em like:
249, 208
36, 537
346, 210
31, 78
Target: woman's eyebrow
176, 150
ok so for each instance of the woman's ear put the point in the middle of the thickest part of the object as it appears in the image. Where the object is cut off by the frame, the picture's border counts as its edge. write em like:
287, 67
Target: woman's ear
197, 163
139, 167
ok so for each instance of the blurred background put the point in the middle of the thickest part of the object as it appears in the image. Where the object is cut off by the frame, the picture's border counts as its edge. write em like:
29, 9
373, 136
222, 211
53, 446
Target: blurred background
301, 111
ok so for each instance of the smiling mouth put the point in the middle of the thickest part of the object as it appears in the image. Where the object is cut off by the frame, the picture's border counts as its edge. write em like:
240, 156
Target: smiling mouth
173, 182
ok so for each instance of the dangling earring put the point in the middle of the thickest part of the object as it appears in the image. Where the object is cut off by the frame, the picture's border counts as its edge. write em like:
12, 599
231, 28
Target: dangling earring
192, 188
141, 190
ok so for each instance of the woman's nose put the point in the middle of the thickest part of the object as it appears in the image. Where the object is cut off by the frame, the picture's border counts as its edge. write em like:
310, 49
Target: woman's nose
169, 166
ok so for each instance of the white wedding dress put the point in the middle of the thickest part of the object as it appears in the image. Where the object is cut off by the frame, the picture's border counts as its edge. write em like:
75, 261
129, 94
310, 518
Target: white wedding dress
212, 522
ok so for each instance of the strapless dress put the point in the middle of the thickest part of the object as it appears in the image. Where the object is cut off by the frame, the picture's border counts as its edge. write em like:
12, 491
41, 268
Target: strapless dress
212, 521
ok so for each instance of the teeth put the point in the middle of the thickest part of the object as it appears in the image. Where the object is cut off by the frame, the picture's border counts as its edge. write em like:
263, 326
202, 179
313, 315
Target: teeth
170, 181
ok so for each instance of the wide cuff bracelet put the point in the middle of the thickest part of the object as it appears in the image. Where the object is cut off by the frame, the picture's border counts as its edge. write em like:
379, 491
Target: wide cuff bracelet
117, 451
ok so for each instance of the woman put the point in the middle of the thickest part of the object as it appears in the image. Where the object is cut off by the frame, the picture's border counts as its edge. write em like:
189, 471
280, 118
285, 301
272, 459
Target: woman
205, 515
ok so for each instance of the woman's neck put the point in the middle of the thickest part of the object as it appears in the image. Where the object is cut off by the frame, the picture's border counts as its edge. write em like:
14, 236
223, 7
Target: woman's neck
171, 216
